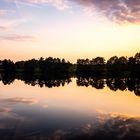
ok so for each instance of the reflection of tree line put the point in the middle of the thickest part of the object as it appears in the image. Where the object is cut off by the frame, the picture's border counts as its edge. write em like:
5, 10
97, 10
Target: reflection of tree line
115, 83
88, 81
48, 81
40, 80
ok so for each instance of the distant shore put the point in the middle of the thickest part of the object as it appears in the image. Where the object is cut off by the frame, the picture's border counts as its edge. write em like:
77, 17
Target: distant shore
56, 66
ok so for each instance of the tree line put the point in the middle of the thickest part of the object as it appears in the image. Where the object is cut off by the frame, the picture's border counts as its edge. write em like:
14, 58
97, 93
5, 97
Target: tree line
113, 65
48, 65
61, 66
113, 60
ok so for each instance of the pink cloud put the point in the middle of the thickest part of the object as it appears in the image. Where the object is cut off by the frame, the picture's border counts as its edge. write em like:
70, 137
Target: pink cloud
3, 12
115, 10
59, 4
16, 37
122, 11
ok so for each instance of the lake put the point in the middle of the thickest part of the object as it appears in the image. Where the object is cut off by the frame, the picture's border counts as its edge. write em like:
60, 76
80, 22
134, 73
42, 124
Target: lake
74, 108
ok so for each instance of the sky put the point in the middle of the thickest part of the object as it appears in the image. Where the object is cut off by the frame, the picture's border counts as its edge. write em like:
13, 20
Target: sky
69, 29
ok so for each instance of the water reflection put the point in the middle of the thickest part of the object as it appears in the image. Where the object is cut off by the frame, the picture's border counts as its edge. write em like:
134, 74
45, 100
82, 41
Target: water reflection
17, 100
113, 83
28, 113
96, 82
6, 78
101, 127
116, 83
40, 80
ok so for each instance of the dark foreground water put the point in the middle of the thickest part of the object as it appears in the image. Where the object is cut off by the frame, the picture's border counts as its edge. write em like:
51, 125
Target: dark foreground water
70, 109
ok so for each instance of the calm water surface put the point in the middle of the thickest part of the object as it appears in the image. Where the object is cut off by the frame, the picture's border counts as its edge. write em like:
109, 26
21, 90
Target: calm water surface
70, 111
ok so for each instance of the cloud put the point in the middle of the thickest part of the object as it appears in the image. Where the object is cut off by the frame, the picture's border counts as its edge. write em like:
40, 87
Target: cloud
6, 11
20, 100
59, 4
4, 28
16, 37
7, 25
116, 10
3, 12
120, 11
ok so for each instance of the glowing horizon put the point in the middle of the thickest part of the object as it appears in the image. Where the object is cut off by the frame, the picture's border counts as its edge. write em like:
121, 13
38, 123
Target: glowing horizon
69, 29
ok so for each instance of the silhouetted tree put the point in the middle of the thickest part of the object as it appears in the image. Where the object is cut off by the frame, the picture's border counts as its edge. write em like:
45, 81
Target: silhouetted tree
137, 57
63, 61
112, 60
122, 61
50, 65
8, 66
30, 65
131, 61
98, 61
0, 64
83, 61
19, 65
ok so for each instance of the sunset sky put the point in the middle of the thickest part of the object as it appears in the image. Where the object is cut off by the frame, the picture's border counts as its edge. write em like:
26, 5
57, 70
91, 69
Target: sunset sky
69, 29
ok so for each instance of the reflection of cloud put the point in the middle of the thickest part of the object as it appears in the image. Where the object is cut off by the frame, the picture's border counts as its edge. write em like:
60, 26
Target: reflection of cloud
100, 111
113, 126
115, 114
5, 109
20, 100
45, 106
59, 135
118, 127
87, 129
16, 37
